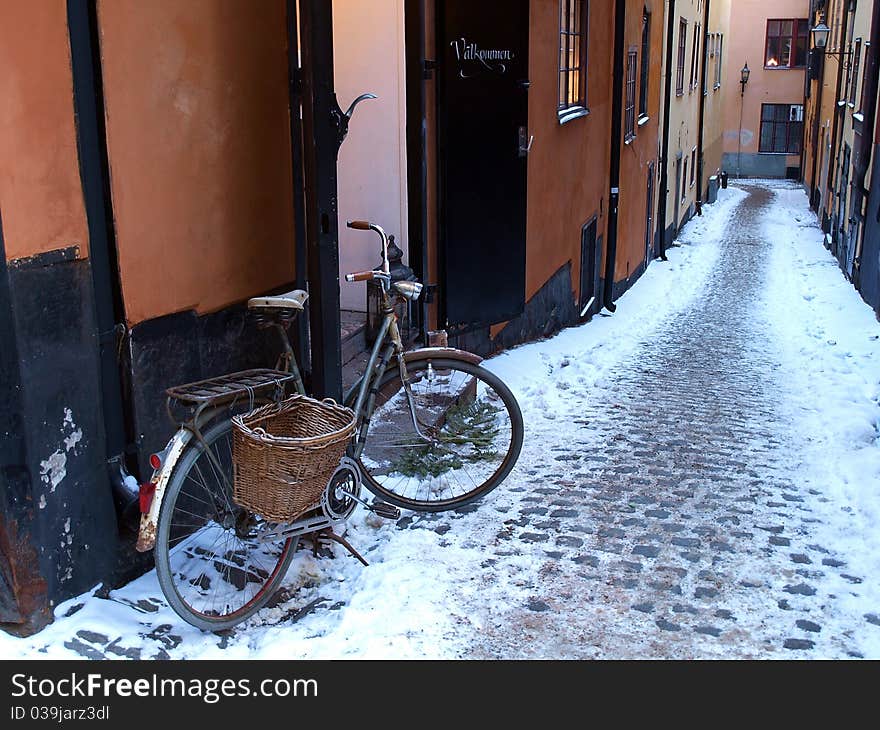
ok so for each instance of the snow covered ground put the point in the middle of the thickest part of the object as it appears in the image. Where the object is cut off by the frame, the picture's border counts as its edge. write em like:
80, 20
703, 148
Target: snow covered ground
441, 586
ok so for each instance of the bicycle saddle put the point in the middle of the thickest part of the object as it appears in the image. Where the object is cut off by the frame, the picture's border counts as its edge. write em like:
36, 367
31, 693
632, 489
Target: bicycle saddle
291, 300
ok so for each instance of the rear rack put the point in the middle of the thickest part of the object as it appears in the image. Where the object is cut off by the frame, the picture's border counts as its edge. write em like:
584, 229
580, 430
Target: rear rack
228, 388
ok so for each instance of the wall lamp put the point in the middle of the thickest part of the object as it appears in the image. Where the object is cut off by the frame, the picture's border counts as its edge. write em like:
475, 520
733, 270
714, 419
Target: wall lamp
744, 78
820, 40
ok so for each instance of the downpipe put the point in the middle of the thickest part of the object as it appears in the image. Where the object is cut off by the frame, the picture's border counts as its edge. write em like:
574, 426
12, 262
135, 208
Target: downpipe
616, 136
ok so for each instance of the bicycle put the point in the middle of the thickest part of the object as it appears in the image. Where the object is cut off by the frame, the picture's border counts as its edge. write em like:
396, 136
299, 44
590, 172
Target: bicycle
434, 431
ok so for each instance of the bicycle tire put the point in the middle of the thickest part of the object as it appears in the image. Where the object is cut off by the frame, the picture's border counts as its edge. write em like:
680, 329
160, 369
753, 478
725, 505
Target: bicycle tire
264, 577
379, 470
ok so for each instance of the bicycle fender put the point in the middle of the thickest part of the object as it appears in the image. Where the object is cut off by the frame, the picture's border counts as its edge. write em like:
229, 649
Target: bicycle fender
150, 520
431, 353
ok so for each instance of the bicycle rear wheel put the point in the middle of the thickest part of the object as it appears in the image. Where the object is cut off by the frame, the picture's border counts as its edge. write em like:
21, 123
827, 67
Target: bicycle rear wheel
212, 569
469, 436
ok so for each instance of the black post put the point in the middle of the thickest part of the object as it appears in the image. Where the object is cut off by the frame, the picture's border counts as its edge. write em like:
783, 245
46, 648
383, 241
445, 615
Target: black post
416, 145
301, 332
322, 128
616, 135
664, 148
88, 98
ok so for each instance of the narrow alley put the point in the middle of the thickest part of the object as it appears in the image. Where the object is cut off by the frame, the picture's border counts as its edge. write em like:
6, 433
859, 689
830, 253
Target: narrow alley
699, 480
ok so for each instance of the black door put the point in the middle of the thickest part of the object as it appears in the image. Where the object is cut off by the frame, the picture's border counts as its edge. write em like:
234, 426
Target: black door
483, 142
590, 257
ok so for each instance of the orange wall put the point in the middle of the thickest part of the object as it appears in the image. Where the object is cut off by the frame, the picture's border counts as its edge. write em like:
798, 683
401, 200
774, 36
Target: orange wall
199, 145
641, 151
568, 163
40, 191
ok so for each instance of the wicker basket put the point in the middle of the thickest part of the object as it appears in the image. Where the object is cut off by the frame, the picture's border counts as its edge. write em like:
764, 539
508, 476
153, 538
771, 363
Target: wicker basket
285, 453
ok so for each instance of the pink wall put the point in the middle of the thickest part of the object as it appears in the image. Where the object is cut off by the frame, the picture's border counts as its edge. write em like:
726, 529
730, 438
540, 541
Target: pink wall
746, 43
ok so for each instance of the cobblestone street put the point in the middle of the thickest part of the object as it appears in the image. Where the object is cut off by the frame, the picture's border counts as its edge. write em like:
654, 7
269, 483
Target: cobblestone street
681, 501
678, 494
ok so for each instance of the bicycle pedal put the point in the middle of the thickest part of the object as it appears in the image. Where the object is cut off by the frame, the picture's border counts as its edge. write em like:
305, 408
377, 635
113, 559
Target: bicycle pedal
383, 509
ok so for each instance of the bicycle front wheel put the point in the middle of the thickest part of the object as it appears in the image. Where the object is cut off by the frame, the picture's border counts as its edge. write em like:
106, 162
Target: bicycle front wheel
451, 439
213, 569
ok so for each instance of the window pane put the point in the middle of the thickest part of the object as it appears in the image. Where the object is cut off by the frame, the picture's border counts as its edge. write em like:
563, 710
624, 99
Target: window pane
766, 112
787, 28
772, 27
785, 58
772, 52
779, 137
800, 55
766, 144
781, 112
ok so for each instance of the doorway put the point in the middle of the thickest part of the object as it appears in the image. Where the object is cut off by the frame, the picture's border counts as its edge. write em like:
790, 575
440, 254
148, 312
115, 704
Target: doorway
483, 142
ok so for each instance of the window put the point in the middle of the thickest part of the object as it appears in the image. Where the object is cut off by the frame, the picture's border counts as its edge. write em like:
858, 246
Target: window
629, 109
787, 43
693, 166
864, 76
857, 58
682, 48
684, 178
695, 45
645, 68
707, 46
718, 60
782, 128
572, 59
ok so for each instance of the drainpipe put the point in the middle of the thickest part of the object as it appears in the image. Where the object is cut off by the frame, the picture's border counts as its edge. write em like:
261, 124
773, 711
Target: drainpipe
614, 176
704, 91
664, 163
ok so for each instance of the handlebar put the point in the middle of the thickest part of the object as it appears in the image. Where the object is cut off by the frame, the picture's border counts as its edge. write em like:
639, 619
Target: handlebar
367, 226
360, 276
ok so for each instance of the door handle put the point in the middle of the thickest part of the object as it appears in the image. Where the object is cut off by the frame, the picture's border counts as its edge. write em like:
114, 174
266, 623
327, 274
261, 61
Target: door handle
525, 141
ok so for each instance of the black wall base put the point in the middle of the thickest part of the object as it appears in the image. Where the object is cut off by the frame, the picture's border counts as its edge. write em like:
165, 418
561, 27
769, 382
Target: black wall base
548, 311
58, 534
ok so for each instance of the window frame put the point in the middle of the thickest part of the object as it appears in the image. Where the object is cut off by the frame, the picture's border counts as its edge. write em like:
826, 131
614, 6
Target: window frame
795, 34
566, 107
681, 57
788, 135
856, 67
629, 98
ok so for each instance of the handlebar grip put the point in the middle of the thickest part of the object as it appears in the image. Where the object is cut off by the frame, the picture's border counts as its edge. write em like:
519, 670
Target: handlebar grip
359, 225
359, 276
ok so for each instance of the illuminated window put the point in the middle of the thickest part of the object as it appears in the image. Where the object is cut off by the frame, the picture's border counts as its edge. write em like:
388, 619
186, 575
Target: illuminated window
572, 58
787, 43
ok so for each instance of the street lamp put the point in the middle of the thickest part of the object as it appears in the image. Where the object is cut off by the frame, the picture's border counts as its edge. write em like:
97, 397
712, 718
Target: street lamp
820, 40
744, 78
820, 34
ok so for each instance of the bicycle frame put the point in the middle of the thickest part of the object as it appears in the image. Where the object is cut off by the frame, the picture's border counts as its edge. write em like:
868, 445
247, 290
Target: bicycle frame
389, 344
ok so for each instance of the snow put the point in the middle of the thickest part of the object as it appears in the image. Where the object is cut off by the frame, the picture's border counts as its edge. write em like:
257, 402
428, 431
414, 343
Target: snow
424, 594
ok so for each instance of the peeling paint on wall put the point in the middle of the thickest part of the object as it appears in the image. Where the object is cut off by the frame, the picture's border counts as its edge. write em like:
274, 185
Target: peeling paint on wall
54, 468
